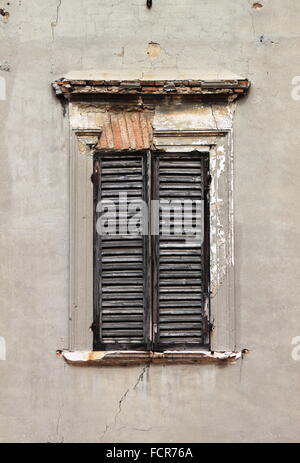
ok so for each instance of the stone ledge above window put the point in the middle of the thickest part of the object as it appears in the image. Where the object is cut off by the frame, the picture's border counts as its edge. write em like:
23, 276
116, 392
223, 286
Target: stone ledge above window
70, 87
142, 357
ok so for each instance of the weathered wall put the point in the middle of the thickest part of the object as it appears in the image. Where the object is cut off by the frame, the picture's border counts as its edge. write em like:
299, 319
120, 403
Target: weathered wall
42, 398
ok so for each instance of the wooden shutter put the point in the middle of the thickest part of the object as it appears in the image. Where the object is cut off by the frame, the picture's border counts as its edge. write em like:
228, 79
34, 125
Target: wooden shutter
120, 269
181, 269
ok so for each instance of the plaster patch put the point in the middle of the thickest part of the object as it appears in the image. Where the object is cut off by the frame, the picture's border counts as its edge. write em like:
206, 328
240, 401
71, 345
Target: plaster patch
153, 50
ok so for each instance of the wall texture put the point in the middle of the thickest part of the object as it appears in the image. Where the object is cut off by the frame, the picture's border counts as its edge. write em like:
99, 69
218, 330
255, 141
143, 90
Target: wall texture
42, 398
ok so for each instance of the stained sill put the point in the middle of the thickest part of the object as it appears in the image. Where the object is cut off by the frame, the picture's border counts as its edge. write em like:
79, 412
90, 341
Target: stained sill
141, 357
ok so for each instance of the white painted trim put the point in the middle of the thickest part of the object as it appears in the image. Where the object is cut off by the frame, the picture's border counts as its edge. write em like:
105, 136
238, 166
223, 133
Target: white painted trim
82, 143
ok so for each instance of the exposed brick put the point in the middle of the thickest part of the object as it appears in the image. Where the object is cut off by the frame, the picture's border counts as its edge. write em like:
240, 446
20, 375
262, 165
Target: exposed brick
147, 83
195, 83
150, 89
78, 82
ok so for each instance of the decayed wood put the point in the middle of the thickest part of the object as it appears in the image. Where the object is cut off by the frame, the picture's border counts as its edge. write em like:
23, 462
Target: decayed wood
181, 285
120, 306
170, 290
111, 358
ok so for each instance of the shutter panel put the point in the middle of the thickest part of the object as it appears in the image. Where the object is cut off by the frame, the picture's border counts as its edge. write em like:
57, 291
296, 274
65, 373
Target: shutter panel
120, 259
181, 279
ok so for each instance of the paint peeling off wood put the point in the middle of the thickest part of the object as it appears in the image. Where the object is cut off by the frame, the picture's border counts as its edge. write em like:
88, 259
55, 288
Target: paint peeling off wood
199, 356
139, 357
107, 357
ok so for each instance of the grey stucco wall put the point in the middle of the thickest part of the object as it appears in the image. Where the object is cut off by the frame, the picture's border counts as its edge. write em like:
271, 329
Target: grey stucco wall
43, 399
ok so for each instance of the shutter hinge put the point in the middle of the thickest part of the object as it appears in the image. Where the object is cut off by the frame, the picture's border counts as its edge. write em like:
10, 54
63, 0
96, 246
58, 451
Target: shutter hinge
94, 176
208, 182
208, 326
92, 327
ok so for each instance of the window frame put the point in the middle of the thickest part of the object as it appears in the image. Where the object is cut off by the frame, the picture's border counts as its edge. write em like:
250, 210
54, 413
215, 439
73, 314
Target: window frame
218, 142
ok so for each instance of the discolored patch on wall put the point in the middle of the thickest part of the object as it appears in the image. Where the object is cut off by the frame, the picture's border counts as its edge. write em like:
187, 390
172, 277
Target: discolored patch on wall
153, 50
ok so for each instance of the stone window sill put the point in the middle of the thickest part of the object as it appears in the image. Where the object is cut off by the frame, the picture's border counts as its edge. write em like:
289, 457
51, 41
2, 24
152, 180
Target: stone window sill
141, 357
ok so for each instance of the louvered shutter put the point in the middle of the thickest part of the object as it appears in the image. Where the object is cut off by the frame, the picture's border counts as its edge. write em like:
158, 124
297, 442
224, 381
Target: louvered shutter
181, 274
120, 269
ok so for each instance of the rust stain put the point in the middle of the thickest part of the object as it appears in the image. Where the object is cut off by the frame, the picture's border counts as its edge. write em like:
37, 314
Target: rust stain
257, 5
126, 130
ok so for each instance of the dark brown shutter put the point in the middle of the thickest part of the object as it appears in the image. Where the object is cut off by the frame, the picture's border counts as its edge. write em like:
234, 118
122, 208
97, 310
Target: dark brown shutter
120, 260
181, 275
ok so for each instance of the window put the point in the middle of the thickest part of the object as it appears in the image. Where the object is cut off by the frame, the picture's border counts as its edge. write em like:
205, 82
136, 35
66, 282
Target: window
151, 250
151, 297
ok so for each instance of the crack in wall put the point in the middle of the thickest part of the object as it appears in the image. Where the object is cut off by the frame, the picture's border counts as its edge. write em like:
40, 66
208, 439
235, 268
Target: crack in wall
60, 437
141, 377
55, 23
104, 432
120, 405
122, 399
252, 21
